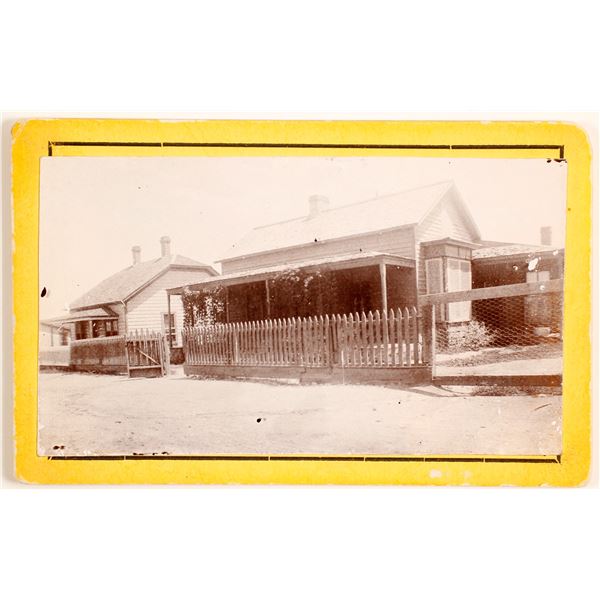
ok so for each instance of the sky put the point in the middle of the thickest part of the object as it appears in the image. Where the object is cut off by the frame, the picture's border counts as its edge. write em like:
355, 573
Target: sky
94, 209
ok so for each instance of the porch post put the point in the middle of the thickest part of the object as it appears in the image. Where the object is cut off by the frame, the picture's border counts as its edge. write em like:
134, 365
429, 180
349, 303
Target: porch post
383, 278
433, 339
268, 298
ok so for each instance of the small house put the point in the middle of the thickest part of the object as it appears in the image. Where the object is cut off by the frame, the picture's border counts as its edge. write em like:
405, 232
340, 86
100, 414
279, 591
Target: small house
132, 299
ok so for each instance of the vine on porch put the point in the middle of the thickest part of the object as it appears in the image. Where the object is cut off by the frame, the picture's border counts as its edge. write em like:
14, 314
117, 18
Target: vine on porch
203, 307
297, 292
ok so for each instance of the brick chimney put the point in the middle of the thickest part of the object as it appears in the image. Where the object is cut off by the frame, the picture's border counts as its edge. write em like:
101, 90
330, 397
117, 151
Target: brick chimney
316, 204
165, 246
136, 251
546, 235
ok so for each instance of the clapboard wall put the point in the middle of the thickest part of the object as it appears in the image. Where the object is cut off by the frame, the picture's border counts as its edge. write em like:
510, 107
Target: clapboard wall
398, 241
146, 309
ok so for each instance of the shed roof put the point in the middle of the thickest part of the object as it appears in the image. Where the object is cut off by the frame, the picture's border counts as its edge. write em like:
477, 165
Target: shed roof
126, 283
509, 250
383, 212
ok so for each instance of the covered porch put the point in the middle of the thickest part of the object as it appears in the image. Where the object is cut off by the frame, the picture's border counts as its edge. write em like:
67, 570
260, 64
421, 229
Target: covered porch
85, 324
357, 283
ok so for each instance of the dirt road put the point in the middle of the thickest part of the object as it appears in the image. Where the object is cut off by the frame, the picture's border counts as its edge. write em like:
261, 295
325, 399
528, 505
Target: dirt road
82, 414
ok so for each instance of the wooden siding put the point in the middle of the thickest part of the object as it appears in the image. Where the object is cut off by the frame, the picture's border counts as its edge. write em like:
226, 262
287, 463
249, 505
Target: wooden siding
397, 241
446, 220
48, 336
146, 309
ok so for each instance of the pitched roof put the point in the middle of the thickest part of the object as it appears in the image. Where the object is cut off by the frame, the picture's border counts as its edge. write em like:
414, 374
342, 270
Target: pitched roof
376, 214
129, 281
499, 250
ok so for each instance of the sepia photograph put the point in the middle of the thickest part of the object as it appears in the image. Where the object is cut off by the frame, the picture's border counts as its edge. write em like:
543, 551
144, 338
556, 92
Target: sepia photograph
316, 306
299, 301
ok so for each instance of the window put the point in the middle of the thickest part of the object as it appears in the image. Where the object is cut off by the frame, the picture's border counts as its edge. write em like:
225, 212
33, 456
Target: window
434, 276
459, 279
112, 327
81, 330
97, 329
64, 336
456, 277
533, 276
169, 328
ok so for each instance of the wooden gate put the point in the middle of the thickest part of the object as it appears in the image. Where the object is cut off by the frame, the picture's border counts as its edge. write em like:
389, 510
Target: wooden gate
147, 354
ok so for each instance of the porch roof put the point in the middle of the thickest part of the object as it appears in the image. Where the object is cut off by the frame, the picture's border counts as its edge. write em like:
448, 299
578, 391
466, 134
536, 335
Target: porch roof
507, 251
345, 261
102, 313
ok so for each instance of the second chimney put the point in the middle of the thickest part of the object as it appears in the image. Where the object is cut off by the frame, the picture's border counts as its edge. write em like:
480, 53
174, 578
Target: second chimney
165, 245
136, 251
546, 235
316, 204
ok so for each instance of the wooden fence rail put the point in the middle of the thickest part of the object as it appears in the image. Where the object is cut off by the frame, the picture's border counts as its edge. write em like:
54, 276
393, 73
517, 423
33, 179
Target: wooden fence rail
499, 291
393, 339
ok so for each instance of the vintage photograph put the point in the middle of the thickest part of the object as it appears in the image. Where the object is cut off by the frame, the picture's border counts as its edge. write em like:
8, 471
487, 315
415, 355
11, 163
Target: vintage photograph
291, 305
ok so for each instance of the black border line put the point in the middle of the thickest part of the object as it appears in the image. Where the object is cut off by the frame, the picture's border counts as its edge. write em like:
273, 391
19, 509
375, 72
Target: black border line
560, 148
554, 459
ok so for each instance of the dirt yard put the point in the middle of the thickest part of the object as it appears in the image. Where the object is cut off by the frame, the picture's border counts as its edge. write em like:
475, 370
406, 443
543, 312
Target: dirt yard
540, 359
81, 414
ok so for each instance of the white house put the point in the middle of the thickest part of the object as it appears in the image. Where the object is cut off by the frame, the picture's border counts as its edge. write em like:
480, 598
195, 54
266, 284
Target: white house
131, 299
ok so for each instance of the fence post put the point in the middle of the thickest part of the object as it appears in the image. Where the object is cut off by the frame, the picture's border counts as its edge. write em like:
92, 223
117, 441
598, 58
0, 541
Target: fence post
344, 346
378, 338
349, 337
166, 355
425, 316
406, 318
292, 354
166, 343
371, 340
386, 339
312, 341
357, 341
335, 346
433, 339
125, 339
392, 336
236, 344
415, 317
